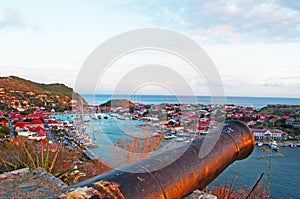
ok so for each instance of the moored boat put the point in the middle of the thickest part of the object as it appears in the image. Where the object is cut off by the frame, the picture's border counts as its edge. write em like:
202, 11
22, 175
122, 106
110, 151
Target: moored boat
273, 145
259, 144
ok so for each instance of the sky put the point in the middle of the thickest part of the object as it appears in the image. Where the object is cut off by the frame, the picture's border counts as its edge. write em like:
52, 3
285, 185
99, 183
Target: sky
254, 44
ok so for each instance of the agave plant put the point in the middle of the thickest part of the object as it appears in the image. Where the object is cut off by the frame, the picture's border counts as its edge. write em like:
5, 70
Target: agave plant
40, 160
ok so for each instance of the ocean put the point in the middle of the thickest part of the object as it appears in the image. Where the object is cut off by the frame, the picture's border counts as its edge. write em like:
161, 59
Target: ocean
257, 102
285, 172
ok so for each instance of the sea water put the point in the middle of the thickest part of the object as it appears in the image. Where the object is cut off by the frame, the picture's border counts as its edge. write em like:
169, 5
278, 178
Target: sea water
257, 102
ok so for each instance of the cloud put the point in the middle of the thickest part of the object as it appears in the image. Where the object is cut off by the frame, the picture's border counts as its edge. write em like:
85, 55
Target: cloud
254, 21
12, 19
283, 81
291, 4
220, 21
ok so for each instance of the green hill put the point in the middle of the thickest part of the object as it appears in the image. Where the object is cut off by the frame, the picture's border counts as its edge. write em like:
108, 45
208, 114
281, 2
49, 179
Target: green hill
19, 86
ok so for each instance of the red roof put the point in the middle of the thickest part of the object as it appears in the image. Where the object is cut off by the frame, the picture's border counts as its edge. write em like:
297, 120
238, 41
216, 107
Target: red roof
36, 129
237, 116
35, 116
259, 130
36, 122
21, 124
15, 114
27, 124
285, 117
41, 133
204, 124
52, 122
264, 130
278, 131
46, 113
3, 123
266, 115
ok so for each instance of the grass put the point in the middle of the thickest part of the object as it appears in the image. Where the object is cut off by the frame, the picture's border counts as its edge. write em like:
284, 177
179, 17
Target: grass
132, 149
232, 189
33, 157
66, 164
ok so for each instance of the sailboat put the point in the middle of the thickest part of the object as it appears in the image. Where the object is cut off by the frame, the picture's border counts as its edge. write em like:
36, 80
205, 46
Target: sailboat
95, 116
273, 145
105, 116
259, 143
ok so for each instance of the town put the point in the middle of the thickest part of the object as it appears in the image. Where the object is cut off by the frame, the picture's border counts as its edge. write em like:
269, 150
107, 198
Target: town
181, 120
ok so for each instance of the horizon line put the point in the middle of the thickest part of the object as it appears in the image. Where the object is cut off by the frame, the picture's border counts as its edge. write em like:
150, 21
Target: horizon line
189, 95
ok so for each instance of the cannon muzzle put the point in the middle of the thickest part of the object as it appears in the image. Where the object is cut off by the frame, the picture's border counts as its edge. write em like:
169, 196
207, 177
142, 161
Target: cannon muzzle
191, 170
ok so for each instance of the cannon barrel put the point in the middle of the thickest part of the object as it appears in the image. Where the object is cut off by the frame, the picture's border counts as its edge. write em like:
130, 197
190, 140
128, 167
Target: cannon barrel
178, 178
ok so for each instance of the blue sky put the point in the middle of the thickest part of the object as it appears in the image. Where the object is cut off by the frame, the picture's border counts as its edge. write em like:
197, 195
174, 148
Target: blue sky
254, 44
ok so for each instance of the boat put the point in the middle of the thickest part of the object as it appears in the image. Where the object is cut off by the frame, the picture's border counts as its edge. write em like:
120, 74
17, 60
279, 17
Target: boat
273, 145
95, 117
170, 136
181, 139
261, 157
259, 144
281, 155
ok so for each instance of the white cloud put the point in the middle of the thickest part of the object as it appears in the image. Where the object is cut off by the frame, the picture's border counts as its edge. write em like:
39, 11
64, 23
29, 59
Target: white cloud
250, 21
12, 18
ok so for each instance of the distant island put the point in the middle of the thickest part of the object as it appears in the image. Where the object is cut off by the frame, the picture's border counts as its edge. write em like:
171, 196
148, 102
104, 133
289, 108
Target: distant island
22, 94
118, 102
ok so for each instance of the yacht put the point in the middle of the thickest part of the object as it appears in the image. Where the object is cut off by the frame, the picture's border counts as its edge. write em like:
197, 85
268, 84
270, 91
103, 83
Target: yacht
273, 145
259, 143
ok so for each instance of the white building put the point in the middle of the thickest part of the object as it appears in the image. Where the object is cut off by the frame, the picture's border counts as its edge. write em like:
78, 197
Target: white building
264, 134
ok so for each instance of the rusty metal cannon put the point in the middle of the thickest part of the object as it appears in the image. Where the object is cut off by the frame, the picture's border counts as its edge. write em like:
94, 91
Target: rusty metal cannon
178, 178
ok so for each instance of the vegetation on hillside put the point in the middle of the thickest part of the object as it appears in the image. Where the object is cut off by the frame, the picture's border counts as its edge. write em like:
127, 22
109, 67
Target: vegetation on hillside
25, 94
13, 83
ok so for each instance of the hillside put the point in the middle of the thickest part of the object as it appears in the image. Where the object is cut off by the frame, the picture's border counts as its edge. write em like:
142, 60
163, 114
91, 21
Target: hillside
16, 88
281, 110
13, 83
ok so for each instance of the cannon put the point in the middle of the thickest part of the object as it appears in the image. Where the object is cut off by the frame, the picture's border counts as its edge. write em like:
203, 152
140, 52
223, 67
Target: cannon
175, 179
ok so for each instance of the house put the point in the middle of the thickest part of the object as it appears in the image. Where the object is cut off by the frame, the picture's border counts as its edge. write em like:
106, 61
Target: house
34, 116
273, 119
24, 132
37, 133
52, 123
264, 134
30, 125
